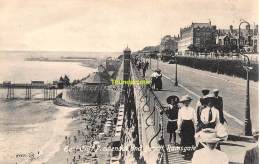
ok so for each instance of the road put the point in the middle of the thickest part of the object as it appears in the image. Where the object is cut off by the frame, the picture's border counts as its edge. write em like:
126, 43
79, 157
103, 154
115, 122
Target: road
233, 91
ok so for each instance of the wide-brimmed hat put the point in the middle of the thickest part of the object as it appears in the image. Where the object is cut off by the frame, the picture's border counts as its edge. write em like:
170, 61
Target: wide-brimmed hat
208, 135
185, 98
174, 98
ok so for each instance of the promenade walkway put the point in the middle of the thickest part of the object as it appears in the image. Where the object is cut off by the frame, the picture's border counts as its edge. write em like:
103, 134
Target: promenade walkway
234, 149
233, 91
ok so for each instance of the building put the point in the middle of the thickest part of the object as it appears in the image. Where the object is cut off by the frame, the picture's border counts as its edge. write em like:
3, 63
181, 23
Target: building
168, 47
197, 37
94, 89
228, 39
169, 43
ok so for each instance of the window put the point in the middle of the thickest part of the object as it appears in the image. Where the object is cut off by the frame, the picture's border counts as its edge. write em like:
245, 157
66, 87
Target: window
197, 41
220, 42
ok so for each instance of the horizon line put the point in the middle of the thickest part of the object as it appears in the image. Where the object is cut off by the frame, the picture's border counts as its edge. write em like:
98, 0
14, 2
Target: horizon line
60, 51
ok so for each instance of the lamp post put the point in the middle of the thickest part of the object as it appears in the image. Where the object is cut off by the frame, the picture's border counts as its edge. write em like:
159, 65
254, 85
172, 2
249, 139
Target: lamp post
248, 124
150, 62
176, 76
157, 60
239, 29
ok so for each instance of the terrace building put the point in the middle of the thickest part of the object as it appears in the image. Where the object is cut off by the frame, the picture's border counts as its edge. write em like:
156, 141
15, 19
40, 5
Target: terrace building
198, 35
248, 38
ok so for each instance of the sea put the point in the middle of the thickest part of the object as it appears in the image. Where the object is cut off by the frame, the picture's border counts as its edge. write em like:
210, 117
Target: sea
36, 128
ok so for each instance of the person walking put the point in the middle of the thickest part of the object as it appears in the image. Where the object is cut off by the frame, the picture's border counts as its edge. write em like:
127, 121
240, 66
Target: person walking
139, 65
186, 128
209, 154
153, 79
172, 114
218, 104
201, 104
158, 80
210, 115
145, 67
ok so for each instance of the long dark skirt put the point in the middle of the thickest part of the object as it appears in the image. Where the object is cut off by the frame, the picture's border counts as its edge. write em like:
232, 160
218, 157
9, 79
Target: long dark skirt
158, 83
187, 139
153, 82
187, 133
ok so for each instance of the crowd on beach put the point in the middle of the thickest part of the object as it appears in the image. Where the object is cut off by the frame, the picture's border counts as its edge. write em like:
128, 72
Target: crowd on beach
85, 143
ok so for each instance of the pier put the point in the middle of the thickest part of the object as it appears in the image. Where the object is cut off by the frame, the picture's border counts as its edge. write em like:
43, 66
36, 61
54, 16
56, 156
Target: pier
49, 90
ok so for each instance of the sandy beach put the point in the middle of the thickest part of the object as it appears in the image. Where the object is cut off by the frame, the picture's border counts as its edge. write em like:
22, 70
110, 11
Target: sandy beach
32, 131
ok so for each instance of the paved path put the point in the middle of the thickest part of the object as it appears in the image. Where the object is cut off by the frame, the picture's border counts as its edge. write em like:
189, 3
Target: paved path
232, 89
234, 149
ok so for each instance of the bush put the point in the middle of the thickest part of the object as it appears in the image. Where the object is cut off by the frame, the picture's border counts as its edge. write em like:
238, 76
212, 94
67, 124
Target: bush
221, 66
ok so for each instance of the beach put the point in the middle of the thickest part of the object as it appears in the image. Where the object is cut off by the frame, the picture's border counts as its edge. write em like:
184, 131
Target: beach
31, 131
35, 128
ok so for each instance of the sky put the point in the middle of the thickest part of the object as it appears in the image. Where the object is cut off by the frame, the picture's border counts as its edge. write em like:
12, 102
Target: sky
109, 25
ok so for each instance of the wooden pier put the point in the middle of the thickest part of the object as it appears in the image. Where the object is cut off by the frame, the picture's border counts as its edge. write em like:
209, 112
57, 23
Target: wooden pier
49, 90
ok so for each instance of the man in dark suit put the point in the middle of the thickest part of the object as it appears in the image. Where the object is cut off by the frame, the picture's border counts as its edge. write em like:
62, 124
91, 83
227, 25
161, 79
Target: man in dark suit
218, 104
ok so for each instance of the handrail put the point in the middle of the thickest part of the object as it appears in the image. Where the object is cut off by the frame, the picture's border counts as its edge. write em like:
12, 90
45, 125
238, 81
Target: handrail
158, 111
157, 133
146, 120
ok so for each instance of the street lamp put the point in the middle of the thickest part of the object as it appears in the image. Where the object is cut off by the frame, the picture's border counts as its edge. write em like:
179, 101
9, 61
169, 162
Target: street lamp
248, 124
150, 62
239, 29
176, 79
157, 60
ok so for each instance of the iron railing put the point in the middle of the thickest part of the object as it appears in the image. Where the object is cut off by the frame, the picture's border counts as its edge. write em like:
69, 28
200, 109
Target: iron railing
156, 114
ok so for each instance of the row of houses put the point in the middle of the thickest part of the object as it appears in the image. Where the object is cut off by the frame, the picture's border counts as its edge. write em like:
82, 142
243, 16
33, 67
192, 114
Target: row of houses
205, 37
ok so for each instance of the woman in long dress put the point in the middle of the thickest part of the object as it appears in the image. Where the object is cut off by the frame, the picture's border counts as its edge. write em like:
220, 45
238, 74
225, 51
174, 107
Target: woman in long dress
186, 128
158, 81
153, 78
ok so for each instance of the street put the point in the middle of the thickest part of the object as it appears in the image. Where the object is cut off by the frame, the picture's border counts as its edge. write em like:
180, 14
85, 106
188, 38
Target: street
232, 89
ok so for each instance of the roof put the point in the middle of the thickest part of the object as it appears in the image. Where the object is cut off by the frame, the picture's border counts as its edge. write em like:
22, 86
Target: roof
195, 25
127, 49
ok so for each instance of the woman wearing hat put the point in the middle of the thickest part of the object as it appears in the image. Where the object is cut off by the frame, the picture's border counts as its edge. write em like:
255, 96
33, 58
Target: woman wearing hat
153, 78
158, 80
208, 138
172, 114
186, 121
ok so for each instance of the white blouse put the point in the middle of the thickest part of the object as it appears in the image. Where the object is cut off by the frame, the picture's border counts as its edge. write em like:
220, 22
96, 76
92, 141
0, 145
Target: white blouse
205, 115
186, 113
155, 74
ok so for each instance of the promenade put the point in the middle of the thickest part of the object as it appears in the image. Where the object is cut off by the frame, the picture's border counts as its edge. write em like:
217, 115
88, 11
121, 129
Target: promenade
232, 89
191, 81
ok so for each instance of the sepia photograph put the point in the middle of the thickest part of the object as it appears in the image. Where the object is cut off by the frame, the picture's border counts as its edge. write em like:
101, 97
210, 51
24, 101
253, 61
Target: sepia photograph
129, 81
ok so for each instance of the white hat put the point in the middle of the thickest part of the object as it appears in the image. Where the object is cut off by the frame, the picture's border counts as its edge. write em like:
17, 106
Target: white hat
185, 98
208, 135
215, 90
209, 96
